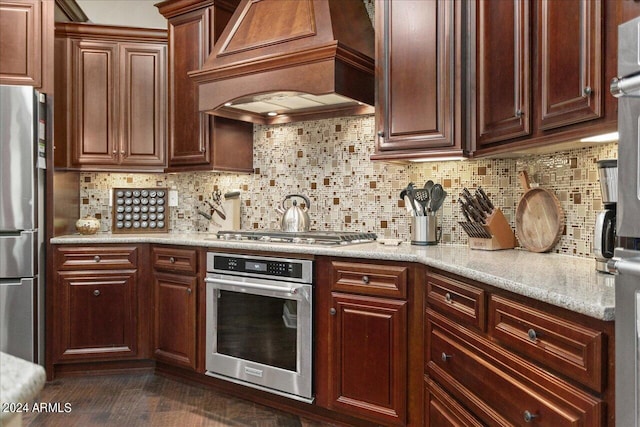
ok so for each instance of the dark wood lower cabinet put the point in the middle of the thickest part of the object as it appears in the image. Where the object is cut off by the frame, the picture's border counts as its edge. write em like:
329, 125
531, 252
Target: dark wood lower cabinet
175, 319
368, 369
524, 362
97, 314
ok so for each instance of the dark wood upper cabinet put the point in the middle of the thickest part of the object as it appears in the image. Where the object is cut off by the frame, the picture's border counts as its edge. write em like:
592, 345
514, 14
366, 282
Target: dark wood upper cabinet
26, 32
199, 141
420, 74
503, 74
541, 75
569, 62
111, 98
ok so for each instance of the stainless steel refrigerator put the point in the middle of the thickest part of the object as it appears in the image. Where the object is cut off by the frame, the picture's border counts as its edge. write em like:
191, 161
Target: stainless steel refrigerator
626, 260
23, 130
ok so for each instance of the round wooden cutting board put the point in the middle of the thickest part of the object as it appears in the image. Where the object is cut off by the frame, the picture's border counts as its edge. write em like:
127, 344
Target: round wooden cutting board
539, 218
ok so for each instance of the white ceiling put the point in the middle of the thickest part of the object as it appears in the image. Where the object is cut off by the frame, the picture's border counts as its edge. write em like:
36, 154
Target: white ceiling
130, 13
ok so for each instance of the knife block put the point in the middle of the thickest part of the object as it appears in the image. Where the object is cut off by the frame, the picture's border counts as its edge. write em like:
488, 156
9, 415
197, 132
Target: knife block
502, 236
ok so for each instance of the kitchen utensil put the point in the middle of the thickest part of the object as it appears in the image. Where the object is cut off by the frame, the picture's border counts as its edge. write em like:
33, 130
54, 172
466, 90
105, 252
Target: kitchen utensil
483, 202
231, 195
539, 217
429, 185
295, 219
437, 198
416, 208
422, 196
217, 210
485, 198
463, 209
407, 203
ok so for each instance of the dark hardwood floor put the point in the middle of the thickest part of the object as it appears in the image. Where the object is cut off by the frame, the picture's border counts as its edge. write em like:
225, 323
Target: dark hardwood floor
151, 400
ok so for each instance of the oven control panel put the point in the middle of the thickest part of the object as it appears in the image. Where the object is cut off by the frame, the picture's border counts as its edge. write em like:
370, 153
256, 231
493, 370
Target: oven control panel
260, 266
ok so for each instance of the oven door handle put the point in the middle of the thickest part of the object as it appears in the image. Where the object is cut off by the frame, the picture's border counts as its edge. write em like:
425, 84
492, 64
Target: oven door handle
293, 290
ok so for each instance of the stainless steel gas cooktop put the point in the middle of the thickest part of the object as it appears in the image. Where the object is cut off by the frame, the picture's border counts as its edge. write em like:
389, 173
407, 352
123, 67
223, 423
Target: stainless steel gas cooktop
305, 238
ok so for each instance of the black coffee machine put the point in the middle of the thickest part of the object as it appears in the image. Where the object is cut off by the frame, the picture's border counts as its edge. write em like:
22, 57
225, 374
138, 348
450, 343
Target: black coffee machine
604, 236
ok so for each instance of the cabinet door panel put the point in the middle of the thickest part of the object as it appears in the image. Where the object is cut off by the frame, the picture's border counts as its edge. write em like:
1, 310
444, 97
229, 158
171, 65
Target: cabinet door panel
175, 319
98, 315
189, 129
369, 357
20, 42
503, 70
417, 106
94, 111
569, 57
142, 104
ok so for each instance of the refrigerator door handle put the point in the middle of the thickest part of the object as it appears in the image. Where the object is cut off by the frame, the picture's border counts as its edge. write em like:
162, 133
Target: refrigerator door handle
626, 266
629, 86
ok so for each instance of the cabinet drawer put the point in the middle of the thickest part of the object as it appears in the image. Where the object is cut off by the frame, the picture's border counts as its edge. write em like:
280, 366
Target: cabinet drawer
463, 301
567, 347
370, 279
441, 410
97, 258
173, 259
502, 389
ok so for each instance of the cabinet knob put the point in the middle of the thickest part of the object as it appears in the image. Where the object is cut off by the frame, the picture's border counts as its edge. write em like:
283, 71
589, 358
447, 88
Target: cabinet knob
445, 357
122, 152
519, 113
381, 134
96, 258
587, 90
332, 311
533, 335
447, 297
529, 417
172, 260
96, 293
189, 291
115, 151
365, 279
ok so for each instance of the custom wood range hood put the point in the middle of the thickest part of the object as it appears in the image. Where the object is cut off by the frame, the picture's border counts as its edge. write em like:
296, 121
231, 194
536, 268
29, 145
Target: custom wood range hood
279, 61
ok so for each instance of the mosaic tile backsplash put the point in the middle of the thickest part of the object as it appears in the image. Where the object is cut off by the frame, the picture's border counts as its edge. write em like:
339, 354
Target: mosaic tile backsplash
328, 161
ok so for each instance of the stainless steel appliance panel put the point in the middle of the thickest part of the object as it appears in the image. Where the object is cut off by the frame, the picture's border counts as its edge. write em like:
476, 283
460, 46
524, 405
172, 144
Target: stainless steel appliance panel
626, 264
18, 174
18, 251
628, 209
626, 261
17, 311
626, 87
291, 378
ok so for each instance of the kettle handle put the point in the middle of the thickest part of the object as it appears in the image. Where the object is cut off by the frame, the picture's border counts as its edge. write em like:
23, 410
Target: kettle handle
306, 200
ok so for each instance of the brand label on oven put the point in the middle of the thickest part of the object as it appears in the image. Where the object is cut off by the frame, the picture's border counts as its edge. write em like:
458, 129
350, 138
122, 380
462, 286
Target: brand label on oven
253, 372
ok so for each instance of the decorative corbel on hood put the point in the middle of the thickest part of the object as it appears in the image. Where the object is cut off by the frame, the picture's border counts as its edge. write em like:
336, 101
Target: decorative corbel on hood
279, 61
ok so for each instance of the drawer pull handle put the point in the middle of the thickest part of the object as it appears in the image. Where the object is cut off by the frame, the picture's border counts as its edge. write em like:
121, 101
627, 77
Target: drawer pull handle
96, 293
365, 279
96, 258
332, 311
445, 357
529, 417
533, 336
447, 297
172, 260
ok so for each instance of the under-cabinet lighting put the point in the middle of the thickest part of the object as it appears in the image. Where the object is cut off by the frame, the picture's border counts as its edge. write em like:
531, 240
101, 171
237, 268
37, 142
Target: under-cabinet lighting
605, 137
272, 114
228, 104
437, 159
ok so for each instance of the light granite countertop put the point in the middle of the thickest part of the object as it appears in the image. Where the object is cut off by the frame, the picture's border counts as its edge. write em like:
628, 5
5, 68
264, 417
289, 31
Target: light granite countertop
561, 280
20, 382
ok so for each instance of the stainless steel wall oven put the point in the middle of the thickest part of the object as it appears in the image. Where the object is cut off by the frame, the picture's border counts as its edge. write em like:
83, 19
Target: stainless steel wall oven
259, 322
